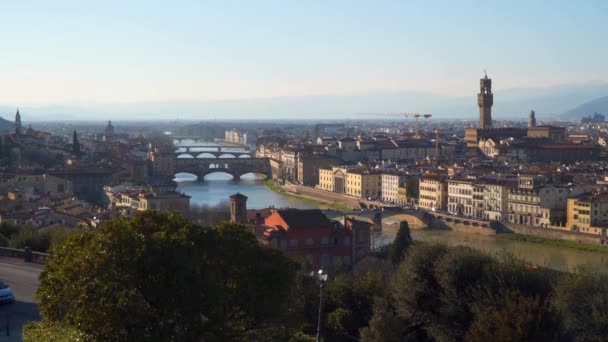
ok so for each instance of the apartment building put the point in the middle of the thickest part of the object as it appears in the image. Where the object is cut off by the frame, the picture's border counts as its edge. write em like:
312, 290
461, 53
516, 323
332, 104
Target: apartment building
536, 204
433, 193
495, 198
362, 183
460, 196
588, 213
390, 186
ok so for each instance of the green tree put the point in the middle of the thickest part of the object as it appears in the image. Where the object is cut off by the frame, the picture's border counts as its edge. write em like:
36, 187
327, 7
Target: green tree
402, 242
582, 301
28, 236
157, 277
411, 187
349, 304
516, 317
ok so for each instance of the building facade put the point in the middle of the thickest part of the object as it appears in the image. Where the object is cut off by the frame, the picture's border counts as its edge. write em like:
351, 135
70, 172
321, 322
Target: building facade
433, 193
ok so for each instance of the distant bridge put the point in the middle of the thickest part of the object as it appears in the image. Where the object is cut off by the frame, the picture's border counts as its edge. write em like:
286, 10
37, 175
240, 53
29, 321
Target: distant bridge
216, 154
236, 167
213, 149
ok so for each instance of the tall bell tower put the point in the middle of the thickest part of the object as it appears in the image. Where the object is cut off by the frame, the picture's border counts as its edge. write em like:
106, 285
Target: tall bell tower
485, 99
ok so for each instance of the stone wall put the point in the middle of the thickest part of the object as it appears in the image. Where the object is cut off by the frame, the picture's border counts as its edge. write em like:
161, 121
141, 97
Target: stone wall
555, 234
35, 257
322, 195
434, 223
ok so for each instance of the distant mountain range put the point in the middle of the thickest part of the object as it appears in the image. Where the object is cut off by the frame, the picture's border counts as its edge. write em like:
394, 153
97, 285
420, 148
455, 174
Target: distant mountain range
599, 105
5, 125
548, 102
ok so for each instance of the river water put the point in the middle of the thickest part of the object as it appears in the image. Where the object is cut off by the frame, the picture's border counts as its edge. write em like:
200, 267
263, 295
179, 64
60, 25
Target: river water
217, 187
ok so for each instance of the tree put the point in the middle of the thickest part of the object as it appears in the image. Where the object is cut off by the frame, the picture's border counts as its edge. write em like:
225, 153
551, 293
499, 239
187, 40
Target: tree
582, 302
159, 277
75, 145
516, 317
402, 242
349, 304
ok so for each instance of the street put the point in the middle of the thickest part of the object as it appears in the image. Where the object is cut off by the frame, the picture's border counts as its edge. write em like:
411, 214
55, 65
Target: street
23, 280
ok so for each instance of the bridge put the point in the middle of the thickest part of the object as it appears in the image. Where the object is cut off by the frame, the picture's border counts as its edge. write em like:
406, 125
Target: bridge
236, 167
218, 153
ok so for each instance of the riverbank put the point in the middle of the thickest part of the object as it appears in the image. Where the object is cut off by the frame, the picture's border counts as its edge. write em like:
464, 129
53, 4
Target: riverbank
270, 184
552, 242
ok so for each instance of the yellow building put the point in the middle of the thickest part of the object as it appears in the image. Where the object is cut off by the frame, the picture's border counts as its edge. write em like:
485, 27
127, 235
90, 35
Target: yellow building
588, 213
362, 183
326, 179
433, 193
402, 195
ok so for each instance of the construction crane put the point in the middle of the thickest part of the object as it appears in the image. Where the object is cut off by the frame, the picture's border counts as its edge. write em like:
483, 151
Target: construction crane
417, 117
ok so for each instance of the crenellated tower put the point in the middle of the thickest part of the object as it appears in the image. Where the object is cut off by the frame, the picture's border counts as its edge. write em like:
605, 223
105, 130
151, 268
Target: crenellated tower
485, 99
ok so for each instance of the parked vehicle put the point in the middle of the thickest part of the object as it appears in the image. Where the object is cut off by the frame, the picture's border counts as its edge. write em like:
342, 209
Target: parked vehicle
6, 294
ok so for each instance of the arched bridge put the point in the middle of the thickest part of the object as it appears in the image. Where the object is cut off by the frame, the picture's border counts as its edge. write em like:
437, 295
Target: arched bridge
217, 152
236, 167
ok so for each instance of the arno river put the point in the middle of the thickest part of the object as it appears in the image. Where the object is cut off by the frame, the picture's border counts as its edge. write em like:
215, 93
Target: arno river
218, 187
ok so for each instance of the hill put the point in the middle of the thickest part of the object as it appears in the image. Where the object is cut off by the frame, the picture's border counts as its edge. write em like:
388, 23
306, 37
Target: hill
5, 125
515, 103
599, 105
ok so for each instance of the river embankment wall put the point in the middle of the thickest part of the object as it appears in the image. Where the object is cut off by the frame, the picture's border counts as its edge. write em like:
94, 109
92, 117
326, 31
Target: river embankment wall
322, 195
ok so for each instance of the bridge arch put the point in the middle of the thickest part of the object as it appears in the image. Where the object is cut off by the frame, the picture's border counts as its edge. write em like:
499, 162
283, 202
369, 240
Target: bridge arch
185, 156
227, 155
185, 177
254, 175
206, 155
245, 155
218, 171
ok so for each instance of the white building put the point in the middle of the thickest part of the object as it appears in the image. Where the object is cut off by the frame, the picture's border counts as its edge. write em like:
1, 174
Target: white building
390, 186
460, 196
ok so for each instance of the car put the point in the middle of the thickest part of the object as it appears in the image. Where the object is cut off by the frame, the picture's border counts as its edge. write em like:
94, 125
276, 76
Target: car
6, 294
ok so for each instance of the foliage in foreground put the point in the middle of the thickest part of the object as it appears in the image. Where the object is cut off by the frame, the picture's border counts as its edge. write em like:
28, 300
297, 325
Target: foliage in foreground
159, 277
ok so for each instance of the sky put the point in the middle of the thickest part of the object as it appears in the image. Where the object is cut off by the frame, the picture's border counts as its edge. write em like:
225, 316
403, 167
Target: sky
84, 52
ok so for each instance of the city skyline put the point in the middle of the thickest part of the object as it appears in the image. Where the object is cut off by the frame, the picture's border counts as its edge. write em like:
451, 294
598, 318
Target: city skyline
65, 54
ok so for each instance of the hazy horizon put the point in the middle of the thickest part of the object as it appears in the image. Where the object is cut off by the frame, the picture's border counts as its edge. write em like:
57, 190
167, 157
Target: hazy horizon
246, 58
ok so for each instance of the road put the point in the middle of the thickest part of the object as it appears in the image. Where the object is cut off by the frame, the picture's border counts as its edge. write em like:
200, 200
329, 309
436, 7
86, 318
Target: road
23, 279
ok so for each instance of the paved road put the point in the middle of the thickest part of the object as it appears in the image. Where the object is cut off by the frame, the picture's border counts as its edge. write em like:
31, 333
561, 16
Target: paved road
23, 279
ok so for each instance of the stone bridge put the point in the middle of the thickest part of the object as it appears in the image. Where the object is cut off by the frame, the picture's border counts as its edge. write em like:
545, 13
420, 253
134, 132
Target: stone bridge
222, 154
236, 167
217, 151
416, 219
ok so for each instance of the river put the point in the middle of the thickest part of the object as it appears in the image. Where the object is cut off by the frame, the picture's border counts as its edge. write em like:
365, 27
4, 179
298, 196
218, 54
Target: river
217, 187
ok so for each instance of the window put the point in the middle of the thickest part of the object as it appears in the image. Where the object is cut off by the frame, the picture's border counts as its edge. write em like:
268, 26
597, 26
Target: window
361, 236
347, 260
347, 241
309, 242
325, 260
283, 244
293, 243
324, 240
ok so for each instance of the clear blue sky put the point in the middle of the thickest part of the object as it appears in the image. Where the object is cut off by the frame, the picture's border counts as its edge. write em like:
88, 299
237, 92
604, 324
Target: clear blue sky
62, 52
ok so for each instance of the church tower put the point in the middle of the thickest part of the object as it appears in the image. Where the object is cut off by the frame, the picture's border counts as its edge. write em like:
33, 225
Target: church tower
18, 126
532, 119
238, 208
485, 99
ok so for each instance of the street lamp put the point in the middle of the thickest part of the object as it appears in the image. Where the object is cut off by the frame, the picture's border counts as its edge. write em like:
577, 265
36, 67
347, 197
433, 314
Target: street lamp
322, 276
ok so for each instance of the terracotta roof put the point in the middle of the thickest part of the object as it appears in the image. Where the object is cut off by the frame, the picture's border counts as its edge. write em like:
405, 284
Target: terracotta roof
297, 218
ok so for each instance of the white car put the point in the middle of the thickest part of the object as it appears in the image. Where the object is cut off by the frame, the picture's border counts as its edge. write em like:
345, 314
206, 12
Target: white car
6, 294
